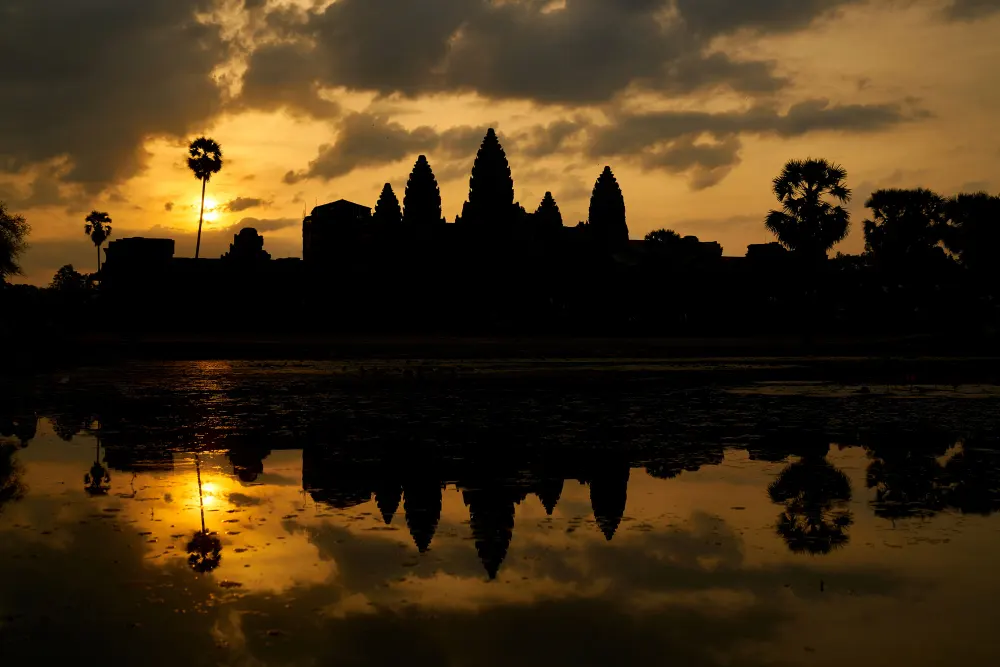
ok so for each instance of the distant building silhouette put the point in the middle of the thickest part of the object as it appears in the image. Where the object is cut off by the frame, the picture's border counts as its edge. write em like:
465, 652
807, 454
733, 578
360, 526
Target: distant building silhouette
547, 216
607, 211
139, 253
328, 226
766, 251
388, 213
422, 201
247, 246
491, 187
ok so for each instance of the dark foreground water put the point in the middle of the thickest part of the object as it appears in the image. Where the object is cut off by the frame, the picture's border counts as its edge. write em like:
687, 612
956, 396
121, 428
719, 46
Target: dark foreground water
275, 514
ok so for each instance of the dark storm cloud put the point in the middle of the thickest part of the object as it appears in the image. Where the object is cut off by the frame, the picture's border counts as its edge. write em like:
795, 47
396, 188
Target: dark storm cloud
92, 80
519, 50
366, 140
966, 10
707, 144
712, 17
633, 132
285, 76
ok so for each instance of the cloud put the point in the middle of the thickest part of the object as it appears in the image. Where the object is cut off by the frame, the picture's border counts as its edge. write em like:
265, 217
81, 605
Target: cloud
244, 203
169, 206
263, 225
91, 82
366, 140
713, 17
512, 50
285, 76
708, 144
970, 10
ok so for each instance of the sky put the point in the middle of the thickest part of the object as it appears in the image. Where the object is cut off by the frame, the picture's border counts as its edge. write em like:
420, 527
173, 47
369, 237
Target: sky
695, 104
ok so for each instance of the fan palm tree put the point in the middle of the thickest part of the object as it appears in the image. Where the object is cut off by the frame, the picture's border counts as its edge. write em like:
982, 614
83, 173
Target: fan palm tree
809, 223
204, 161
98, 228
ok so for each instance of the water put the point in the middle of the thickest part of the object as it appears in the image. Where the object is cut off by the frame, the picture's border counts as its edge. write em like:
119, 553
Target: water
351, 518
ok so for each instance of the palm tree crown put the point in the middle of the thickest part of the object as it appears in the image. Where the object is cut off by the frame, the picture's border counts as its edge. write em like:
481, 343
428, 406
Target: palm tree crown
808, 222
205, 158
98, 228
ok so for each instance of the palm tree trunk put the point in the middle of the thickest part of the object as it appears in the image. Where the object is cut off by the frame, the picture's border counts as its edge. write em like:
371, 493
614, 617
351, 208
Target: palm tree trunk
98, 259
201, 216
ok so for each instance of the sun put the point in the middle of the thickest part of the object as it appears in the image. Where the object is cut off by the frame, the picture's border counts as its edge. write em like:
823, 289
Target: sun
211, 209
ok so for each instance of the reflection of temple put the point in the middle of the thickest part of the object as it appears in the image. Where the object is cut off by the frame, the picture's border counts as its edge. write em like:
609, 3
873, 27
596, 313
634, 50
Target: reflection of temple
608, 490
422, 506
491, 516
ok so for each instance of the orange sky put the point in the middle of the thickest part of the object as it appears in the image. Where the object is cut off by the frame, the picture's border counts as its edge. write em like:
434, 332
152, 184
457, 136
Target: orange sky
695, 105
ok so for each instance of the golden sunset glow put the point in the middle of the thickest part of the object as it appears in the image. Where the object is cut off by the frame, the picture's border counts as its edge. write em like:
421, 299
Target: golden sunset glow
696, 109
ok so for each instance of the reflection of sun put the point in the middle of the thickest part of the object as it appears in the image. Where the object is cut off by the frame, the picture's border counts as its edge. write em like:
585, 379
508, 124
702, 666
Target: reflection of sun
211, 209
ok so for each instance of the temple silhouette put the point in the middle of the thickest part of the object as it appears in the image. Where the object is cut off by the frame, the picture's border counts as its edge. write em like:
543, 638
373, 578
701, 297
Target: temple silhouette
401, 267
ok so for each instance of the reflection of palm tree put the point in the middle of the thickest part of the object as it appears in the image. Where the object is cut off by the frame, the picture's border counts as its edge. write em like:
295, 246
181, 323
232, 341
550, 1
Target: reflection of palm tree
97, 482
813, 492
204, 549
12, 488
974, 474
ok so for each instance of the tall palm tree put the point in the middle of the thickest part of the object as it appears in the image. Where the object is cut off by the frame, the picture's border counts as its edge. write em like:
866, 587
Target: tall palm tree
204, 161
809, 223
98, 228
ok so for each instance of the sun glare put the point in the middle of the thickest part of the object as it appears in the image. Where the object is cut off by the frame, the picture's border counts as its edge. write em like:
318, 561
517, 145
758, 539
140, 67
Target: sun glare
211, 209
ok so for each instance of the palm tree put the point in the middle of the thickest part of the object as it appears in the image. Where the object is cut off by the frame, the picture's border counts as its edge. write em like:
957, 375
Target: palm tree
809, 223
204, 161
12, 488
98, 228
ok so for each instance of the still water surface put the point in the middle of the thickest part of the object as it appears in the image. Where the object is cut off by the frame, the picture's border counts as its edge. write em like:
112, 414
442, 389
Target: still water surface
213, 515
